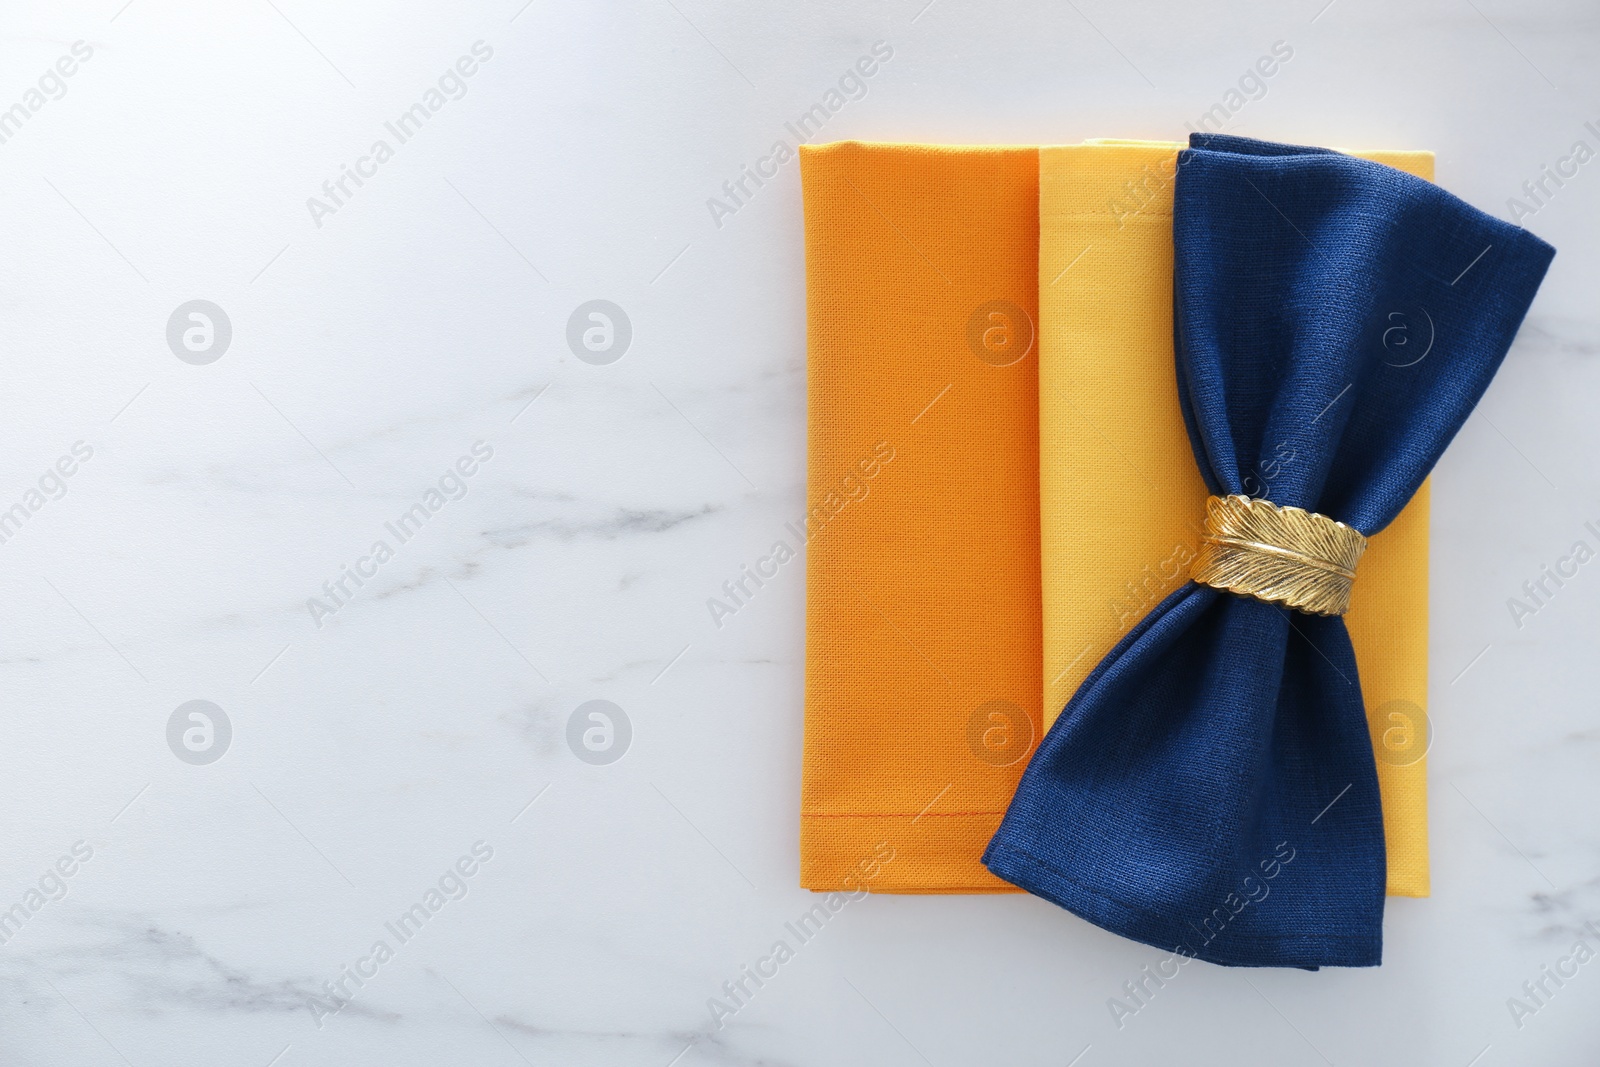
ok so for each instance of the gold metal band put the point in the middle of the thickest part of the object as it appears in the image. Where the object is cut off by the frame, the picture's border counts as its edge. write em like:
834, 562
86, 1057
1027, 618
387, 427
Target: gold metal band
1286, 556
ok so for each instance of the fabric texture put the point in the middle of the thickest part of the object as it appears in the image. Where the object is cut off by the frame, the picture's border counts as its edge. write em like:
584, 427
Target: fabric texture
1211, 787
922, 529
1121, 497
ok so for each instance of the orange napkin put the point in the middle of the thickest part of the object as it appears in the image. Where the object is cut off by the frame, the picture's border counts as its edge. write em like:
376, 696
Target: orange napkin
922, 586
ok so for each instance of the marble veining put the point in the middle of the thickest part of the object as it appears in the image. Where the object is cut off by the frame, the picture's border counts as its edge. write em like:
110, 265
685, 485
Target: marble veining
532, 669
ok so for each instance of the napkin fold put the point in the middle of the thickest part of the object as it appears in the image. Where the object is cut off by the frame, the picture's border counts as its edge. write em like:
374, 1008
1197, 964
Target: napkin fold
1211, 787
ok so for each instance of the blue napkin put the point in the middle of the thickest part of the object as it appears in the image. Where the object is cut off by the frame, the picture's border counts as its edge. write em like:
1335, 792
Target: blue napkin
1210, 788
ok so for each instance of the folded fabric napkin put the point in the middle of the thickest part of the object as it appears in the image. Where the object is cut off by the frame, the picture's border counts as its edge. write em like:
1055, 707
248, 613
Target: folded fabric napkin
922, 528
1211, 787
1120, 494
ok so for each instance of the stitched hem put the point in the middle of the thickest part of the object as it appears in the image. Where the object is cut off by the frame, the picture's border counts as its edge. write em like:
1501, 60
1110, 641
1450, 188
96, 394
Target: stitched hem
936, 852
894, 814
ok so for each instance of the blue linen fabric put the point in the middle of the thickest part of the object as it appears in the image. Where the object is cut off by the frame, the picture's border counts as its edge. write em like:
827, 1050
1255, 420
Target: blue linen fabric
1210, 788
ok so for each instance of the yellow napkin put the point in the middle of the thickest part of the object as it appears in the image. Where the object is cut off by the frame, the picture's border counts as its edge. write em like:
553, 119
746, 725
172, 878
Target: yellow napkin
1121, 498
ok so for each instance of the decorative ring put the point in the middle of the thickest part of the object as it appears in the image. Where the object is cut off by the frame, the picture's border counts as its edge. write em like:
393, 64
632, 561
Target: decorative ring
1287, 556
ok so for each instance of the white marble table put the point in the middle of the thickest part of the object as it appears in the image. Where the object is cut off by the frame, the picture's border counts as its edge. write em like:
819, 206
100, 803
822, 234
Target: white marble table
410, 734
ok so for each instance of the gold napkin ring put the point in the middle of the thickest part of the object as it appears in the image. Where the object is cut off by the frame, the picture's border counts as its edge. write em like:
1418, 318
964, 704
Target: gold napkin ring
1286, 556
